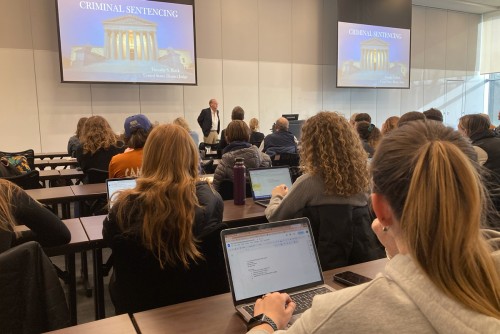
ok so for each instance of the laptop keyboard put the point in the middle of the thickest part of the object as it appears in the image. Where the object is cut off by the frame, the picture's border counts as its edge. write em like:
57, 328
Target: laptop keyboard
303, 300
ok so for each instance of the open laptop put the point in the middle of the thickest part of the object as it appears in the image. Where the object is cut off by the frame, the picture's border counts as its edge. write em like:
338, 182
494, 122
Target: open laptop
270, 257
264, 180
113, 186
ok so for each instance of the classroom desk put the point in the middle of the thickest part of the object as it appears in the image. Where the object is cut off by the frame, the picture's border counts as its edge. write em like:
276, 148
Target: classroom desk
60, 174
217, 314
49, 174
54, 196
120, 324
51, 155
242, 215
88, 191
53, 163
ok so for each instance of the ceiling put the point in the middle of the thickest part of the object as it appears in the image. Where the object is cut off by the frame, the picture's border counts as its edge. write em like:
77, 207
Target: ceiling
467, 6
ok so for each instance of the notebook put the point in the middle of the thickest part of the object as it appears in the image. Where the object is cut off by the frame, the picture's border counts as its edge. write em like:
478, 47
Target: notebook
270, 257
264, 180
113, 186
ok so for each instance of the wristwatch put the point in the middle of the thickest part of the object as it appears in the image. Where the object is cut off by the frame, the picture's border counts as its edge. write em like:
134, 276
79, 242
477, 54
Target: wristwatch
261, 319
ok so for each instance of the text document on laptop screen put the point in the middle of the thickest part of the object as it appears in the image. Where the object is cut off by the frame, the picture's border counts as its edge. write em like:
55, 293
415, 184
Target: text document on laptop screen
271, 259
266, 179
114, 186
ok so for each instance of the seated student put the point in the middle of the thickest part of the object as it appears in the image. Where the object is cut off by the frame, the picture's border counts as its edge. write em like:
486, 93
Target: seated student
237, 114
129, 163
281, 140
363, 117
154, 228
370, 136
334, 165
18, 208
182, 122
390, 124
434, 114
74, 141
99, 144
443, 274
410, 117
256, 137
237, 135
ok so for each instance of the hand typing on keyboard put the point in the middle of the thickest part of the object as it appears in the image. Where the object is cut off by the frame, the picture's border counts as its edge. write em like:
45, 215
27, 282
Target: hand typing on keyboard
277, 306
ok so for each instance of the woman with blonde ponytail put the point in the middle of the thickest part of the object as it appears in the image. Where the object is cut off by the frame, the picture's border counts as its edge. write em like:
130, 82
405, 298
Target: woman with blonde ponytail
443, 276
154, 227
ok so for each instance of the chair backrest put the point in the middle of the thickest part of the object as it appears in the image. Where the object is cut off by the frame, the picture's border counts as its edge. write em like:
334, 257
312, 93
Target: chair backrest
343, 235
29, 180
139, 283
226, 189
32, 297
94, 175
29, 154
286, 159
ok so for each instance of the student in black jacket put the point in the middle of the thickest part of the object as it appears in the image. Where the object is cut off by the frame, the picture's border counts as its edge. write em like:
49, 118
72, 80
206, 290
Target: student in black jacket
18, 208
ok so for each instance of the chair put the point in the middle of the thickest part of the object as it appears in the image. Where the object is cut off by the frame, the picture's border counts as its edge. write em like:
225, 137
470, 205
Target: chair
138, 283
226, 189
94, 175
29, 180
29, 154
288, 159
343, 235
32, 298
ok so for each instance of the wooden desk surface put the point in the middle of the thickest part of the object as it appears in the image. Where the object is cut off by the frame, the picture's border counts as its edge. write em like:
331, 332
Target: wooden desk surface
93, 227
240, 215
79, 240
217, 314
120, 324
52, 195
51, 155
85, 191
49, 174
71, 173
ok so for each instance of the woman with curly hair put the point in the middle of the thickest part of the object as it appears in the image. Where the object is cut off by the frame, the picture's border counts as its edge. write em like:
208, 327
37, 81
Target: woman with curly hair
98, 144
370, 136
154, 228
334, 165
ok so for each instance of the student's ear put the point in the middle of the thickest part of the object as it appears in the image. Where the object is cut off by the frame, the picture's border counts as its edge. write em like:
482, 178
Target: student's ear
382, 209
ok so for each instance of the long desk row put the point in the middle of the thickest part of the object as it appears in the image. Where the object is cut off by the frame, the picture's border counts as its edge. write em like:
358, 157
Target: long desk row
86, 234
208, 315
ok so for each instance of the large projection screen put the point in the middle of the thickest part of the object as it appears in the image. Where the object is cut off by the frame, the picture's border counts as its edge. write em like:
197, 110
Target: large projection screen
373, 56
127, 41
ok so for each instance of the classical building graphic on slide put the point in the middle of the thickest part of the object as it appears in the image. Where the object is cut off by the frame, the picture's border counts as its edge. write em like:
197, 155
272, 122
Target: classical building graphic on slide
374, 63
129, 40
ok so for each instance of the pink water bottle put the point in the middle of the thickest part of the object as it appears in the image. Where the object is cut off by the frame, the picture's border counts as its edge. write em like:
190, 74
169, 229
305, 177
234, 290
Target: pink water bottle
239, 181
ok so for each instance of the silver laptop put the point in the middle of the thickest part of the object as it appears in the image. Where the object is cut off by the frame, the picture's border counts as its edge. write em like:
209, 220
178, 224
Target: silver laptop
264, 180
114, 186
270, 257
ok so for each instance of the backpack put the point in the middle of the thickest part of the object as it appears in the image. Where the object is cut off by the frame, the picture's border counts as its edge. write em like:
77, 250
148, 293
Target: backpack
14, 163
7, 169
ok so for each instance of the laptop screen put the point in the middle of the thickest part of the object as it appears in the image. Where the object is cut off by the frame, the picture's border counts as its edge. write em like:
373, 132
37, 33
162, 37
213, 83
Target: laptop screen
264, 180
113, 186
270, 257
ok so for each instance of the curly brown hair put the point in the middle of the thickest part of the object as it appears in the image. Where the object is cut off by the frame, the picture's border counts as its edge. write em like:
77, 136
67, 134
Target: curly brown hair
97, 134
332, 149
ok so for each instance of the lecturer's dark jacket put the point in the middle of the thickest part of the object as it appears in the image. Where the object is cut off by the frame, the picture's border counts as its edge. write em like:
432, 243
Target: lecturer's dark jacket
205, 121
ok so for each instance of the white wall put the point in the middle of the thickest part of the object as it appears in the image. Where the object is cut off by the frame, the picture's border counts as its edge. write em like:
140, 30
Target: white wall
270, 57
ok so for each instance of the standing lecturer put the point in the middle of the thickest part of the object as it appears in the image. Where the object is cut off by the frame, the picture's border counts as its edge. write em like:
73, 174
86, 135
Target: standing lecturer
210, 123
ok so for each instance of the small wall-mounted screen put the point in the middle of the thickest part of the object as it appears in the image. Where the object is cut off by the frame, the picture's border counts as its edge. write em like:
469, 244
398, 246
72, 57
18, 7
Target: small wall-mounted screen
127, 41
373, 56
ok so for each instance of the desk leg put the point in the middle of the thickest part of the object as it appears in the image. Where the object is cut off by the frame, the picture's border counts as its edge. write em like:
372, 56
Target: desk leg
70, 266
98, 285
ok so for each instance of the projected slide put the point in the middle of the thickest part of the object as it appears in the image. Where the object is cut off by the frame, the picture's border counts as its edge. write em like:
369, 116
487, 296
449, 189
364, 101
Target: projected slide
126, 41
372, 56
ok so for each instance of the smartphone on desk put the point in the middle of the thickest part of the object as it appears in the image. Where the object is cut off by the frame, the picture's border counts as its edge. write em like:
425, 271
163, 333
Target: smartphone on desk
350, 279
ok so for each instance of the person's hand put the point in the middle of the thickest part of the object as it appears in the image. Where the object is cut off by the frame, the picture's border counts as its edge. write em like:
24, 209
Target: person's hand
281, 190
386, 238
277, 306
